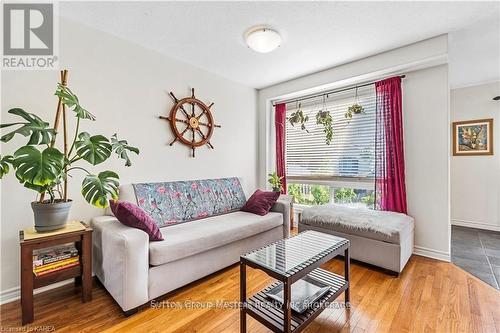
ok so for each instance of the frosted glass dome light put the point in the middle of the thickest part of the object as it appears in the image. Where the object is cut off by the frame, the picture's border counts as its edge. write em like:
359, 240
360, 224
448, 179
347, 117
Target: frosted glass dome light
263, 40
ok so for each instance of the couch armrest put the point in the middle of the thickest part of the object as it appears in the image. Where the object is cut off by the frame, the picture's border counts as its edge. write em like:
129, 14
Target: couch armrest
283, 207
121, 261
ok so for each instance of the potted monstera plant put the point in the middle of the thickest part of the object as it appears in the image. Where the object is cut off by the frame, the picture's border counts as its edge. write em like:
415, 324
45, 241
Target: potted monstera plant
40, 166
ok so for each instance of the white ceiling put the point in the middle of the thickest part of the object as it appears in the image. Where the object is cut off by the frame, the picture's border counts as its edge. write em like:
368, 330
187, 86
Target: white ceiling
316, 35
474, 54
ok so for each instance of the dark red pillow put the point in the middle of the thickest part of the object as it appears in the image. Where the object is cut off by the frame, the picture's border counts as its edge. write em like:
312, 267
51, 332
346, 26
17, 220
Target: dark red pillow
260, 202
135, 217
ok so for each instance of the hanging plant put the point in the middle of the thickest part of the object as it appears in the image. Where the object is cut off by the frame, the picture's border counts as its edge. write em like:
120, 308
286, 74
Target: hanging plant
323, 117
356, 108
298, 117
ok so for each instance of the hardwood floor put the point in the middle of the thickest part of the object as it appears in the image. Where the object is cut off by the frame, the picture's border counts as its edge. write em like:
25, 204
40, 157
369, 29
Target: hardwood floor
430, 296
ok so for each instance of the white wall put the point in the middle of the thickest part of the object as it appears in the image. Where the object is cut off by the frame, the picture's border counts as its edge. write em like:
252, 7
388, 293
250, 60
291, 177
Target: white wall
475, 180
426, 121
126, 87
427, 155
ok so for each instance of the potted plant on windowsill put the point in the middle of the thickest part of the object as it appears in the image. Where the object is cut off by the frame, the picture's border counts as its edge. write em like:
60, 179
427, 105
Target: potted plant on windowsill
275, 181
41, 167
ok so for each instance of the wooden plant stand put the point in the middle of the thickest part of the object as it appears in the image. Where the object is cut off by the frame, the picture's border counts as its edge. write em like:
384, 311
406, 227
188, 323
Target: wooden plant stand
81, 273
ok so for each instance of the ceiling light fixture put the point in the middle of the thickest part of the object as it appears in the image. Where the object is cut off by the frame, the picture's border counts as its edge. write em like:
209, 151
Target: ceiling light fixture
262, 39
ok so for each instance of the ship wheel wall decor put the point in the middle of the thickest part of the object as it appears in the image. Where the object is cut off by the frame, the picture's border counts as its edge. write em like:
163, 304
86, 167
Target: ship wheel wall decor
191, 122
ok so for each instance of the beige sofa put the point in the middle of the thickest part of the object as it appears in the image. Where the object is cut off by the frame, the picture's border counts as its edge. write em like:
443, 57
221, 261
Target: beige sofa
135, 270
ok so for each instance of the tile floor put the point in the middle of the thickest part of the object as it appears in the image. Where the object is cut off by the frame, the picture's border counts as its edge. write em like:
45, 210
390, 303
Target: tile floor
477, 252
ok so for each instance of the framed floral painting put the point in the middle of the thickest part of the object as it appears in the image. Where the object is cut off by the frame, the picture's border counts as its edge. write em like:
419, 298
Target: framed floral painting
473, 137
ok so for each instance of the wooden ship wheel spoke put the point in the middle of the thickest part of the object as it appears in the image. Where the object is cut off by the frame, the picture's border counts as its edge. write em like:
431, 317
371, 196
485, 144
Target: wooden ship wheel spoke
182, 121
188, 111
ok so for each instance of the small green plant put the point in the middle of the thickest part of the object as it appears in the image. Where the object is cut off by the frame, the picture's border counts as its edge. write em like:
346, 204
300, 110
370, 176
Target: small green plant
275, 181
324, 118
298, 117
354, 109
41, 167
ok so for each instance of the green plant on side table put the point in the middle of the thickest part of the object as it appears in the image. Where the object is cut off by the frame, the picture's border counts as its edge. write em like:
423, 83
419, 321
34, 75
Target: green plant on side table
41, 167
275, 181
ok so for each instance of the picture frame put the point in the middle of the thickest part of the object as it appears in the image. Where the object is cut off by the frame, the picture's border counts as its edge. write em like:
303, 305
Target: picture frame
473, 137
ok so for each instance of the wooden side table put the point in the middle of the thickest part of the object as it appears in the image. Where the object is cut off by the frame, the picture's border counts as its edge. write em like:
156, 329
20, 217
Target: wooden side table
81, 273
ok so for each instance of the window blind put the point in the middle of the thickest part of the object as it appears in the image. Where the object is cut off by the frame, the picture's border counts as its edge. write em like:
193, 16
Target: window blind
351, 153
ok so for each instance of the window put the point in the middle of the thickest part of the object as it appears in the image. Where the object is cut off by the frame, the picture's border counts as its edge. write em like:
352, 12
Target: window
342, 172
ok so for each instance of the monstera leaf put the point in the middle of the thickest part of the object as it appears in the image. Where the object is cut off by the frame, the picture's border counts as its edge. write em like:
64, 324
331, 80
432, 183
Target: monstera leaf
71, 101
120, 147
34, 127
93, 149
96, 189
4, 165
37, 169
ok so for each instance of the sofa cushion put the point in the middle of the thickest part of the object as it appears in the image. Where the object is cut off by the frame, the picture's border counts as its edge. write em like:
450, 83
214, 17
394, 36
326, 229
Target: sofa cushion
186, 239
373, 224
171, 203
133, 216
260, 202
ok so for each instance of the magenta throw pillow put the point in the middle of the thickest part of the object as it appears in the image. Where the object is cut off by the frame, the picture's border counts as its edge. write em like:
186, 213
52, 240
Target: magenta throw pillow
261, 202
133, 216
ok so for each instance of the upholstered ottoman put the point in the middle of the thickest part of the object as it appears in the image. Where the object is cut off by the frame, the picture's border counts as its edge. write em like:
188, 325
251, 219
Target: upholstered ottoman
383, 239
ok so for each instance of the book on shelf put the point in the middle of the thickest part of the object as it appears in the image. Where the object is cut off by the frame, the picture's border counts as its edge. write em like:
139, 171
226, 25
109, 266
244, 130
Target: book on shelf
60, 268
53, 254
57, 264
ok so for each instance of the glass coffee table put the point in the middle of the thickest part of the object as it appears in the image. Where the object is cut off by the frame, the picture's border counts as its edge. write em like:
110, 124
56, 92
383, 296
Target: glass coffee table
288, 261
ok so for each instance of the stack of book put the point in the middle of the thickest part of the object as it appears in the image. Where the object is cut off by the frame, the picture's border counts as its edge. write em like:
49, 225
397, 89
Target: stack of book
54, 259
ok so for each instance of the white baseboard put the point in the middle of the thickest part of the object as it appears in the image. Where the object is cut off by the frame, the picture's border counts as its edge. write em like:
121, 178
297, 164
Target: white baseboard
431, 253
475, 224
13, 294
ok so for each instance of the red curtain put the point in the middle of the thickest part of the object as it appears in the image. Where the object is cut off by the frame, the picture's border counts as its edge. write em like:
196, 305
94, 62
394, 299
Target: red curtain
390, 189
280, 126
